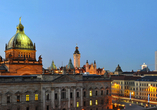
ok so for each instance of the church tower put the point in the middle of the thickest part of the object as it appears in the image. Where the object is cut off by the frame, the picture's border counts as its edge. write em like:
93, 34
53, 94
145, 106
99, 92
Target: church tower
76, 56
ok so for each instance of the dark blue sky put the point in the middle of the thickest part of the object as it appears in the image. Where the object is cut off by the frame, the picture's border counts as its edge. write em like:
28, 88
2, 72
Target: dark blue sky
111, 32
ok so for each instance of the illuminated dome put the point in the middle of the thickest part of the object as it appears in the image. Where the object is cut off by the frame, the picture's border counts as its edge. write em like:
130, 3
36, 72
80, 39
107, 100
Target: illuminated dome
20, 40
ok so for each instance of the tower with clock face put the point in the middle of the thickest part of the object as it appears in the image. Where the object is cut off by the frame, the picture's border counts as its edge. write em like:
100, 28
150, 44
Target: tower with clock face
76, 56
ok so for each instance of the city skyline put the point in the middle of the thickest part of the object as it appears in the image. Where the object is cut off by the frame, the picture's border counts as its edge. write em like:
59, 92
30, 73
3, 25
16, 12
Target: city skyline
109, 32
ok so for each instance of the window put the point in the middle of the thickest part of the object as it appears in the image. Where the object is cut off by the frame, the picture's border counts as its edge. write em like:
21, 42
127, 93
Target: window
36, 96
63, 94
27, 98
90, 102
71, 95
55, 96
107, 101
27, 108
77, 94
106, 92
84, 94
96, 102
101, 92
90, 93
47, 96
84, 103
77, 104
18, 98
102, 101
8, 99
96, 93
47, 107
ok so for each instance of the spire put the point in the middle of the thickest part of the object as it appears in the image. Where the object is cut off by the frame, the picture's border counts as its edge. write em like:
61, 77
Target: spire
94, 62
70, 65
20, 20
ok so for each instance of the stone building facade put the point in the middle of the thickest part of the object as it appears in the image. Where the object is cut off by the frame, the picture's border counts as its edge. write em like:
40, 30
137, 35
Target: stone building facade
55, 92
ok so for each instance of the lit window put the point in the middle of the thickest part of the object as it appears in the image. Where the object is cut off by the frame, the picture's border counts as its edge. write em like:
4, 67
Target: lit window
27, 97
90, 93
96, 102
36, 96
77, 104
90, 102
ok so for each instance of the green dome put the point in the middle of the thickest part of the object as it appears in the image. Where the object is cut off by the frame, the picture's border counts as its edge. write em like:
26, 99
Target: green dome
20, 40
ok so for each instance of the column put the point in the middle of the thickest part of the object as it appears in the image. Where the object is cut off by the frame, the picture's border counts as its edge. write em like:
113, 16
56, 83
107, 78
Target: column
43, 94
68, 98
59, 96
52, 98
81, 102
74, 96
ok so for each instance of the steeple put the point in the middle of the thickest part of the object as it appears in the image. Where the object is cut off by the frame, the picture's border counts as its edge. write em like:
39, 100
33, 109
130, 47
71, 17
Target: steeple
76, 56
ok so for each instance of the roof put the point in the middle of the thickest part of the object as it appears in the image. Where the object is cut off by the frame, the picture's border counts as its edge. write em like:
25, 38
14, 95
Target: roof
148, 78
76, 50
3, 67
20, 40
144, 72
118, 69
122, 77
128, 72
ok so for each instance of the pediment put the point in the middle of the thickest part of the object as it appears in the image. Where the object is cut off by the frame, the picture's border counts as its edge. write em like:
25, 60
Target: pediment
64, 78
26, 68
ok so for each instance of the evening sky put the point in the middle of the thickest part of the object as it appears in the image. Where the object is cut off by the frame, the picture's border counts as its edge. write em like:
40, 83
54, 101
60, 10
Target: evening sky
111, 32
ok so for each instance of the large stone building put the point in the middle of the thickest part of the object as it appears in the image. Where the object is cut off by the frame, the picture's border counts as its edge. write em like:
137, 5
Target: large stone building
20, 55
27, 87
55, 92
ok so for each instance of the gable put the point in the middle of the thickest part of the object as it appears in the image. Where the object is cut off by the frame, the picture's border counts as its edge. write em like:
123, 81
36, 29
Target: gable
64, 78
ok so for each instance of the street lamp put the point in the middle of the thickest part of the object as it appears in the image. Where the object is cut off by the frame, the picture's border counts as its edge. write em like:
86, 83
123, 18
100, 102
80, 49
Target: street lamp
130, 94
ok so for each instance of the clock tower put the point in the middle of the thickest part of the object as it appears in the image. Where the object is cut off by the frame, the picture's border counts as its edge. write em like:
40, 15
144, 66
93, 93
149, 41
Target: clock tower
76, 56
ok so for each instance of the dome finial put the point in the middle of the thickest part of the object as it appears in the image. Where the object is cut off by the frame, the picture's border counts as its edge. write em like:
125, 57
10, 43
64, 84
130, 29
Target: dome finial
20, 20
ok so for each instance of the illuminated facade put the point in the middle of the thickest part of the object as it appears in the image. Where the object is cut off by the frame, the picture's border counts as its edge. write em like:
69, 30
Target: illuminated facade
123, 85
20, 55
144, 86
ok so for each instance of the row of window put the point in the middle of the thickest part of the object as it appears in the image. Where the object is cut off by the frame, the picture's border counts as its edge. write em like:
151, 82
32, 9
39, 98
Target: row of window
18, 98
63, 94
91, 102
